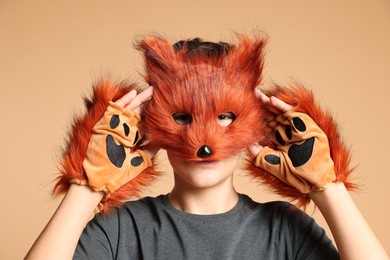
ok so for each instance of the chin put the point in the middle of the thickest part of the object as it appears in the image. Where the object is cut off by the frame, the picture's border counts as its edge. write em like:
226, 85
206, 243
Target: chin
203, 174
203, 178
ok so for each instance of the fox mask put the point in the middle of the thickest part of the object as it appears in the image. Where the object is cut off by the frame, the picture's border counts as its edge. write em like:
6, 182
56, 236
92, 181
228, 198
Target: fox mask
204, 104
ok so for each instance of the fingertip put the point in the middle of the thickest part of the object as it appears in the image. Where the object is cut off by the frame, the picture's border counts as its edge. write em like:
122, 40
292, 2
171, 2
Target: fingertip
146, 94
258, 93
126, 98
276, 102
263, 97
151, 89
133, 92
273, 100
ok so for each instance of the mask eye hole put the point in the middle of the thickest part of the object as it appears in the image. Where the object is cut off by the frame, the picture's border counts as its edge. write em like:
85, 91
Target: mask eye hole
226, 119
182, 118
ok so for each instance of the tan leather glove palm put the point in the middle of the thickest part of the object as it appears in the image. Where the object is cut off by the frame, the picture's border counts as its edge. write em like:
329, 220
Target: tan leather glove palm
109, 161
302, 156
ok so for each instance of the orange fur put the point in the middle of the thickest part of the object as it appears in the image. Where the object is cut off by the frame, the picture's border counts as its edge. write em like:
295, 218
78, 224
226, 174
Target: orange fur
304, 102
74, 153
204, 87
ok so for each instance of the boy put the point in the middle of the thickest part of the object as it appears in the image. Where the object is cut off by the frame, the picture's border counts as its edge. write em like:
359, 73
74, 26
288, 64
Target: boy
203, 217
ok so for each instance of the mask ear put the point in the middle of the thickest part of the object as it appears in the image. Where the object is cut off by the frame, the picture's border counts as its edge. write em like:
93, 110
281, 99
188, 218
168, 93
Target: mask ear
159, 58
245, 62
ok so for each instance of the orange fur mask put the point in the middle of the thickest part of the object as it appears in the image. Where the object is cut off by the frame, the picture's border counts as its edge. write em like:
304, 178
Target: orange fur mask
204, 104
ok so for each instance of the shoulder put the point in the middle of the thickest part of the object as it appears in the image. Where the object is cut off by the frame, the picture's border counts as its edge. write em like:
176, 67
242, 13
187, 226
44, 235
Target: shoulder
299, 231
144, 205
274, 209
282, 216
142, 208
144, 211
101, 238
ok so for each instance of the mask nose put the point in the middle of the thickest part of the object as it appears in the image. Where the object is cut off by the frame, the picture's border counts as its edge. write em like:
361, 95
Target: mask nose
204, 151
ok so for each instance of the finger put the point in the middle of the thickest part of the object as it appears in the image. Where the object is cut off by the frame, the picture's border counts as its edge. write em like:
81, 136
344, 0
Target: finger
255, 149
138, 109
267, 102
123, 101
260, 95
150, 150
279, 104
273, 110
140, 98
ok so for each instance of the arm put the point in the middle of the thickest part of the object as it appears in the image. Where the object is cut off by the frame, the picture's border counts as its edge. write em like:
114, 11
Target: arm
59, 238
354, 238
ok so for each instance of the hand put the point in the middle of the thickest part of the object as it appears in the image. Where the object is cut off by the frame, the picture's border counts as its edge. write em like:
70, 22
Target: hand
110, 161
275, 107
302, 156
133, 102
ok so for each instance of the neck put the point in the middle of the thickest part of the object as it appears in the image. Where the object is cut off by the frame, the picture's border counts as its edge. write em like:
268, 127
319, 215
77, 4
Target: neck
204, 200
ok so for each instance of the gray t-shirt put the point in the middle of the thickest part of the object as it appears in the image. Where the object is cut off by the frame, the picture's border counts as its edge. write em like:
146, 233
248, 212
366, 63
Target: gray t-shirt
151, 228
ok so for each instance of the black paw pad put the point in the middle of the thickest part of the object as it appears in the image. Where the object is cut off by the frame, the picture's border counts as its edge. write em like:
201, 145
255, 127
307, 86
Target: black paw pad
288, 132
136, 138
300, 154
114, 122
116, 153
279, 138
299, 124
126, 128
272, 159
136, 161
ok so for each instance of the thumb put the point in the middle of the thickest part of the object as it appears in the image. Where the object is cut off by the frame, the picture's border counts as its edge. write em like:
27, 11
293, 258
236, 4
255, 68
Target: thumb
150, 150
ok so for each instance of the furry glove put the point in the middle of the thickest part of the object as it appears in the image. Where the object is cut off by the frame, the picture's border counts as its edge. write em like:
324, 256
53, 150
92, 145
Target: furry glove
302, 155
304, 151
109, 161
102, 149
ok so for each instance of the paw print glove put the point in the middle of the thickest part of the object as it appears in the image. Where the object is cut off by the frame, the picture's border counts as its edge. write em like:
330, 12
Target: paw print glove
302, 155
110, 161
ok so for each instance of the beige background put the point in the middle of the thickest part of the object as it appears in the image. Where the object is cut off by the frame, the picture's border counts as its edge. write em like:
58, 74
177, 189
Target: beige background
51, 51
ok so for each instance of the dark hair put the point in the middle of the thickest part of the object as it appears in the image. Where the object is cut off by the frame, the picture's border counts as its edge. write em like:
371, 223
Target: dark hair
198, 47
